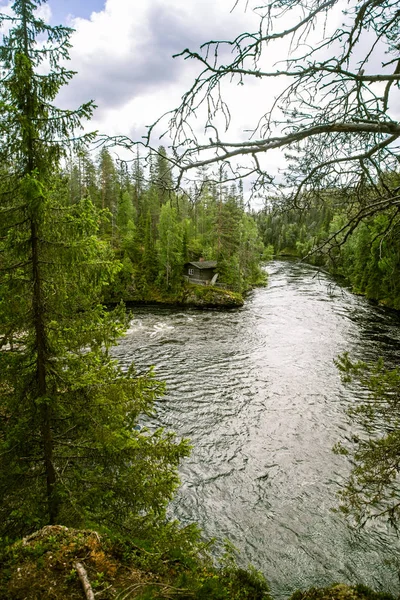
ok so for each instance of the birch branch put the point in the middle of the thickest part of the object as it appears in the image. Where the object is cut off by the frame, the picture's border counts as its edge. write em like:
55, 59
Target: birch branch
84, 579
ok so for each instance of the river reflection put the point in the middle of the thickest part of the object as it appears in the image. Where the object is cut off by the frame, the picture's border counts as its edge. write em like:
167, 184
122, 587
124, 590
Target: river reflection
257, 392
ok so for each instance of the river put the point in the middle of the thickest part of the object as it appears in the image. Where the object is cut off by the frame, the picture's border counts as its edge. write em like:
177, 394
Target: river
257, 392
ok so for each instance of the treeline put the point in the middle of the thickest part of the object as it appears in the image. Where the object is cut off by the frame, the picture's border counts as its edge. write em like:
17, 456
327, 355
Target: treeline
326, 233
155, 229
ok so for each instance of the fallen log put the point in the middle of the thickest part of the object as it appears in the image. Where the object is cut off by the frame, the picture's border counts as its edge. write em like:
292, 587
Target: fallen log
84, 579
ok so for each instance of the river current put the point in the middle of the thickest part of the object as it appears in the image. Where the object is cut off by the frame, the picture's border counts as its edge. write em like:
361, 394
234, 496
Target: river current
257, 392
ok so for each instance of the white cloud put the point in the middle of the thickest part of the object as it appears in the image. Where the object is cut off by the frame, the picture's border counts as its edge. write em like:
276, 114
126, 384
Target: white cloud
123, 56
44, 12
6, 24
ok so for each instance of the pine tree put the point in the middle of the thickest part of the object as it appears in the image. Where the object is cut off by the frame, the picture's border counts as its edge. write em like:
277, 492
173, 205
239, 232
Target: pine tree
69, 450
138, 182
125, 215
87, 170
148, 261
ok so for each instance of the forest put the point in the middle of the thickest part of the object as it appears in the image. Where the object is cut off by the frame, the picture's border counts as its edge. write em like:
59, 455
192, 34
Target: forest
367, 259
155, 229
84, 487
77, 233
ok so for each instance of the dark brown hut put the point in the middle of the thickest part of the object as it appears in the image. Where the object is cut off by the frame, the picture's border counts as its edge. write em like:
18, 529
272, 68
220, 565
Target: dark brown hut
202, 271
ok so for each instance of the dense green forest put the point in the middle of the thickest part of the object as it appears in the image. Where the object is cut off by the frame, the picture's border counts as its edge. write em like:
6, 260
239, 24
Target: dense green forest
74, 234
366, 254
154, 230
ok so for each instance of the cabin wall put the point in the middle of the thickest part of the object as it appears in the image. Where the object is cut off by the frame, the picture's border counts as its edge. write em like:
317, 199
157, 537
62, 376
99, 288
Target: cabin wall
203, 274
199, 275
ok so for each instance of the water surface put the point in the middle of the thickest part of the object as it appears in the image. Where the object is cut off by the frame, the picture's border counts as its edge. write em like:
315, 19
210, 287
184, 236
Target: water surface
257, 392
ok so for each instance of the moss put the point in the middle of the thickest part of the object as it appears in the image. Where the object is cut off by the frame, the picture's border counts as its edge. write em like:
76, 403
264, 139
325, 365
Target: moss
340, 591
41, 566
201, 296
169, 563
210, 296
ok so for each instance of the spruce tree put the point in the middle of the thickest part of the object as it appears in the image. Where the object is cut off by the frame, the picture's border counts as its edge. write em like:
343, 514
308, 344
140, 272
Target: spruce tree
69, 449
163, 176
169, 247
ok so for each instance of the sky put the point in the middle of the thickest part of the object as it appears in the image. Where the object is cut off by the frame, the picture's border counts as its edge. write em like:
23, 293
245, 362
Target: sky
122, 52
63, 10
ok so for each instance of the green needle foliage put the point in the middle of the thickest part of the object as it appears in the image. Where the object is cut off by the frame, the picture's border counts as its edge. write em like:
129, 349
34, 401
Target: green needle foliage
69, 450
373, 488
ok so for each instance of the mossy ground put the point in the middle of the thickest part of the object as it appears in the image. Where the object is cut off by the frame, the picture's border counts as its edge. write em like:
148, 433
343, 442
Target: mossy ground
340, 591
43, 567
200, 296
207, 295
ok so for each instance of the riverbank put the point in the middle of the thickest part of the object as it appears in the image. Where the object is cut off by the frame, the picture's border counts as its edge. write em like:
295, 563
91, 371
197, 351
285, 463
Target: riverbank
190, 295
57, 562
369, 286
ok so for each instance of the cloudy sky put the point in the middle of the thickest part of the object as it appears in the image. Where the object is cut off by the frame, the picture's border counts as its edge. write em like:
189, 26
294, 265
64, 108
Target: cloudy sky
122, 51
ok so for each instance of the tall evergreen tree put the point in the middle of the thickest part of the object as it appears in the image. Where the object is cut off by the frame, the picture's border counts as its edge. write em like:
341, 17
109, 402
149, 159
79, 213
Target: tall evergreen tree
138, 182
161, 176
109, 189
88, 176
148, 259
69, 452
170, 245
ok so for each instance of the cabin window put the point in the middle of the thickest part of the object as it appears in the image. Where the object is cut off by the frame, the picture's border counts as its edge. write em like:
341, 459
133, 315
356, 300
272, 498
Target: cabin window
191, 271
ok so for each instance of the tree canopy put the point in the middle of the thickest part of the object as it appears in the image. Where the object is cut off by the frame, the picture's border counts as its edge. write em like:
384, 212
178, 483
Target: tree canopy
372, 490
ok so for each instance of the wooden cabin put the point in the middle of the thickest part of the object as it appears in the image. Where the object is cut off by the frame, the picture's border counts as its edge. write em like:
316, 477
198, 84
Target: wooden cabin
201, 272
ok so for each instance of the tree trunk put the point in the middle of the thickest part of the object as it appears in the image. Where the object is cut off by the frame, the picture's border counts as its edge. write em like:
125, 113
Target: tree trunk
41, 364
37, 300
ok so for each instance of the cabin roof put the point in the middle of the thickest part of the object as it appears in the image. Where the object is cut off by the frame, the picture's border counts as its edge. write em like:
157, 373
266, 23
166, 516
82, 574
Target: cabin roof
204, 264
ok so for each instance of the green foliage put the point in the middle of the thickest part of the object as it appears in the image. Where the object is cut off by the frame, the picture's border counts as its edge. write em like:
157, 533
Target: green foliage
169, 249
69, 448
341, 592
108, 189
231, 582
155, 230
170, 562
291, 232
161, 176
372, 490
125, 216
371, 260
268, 253
210, 296
368, 259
